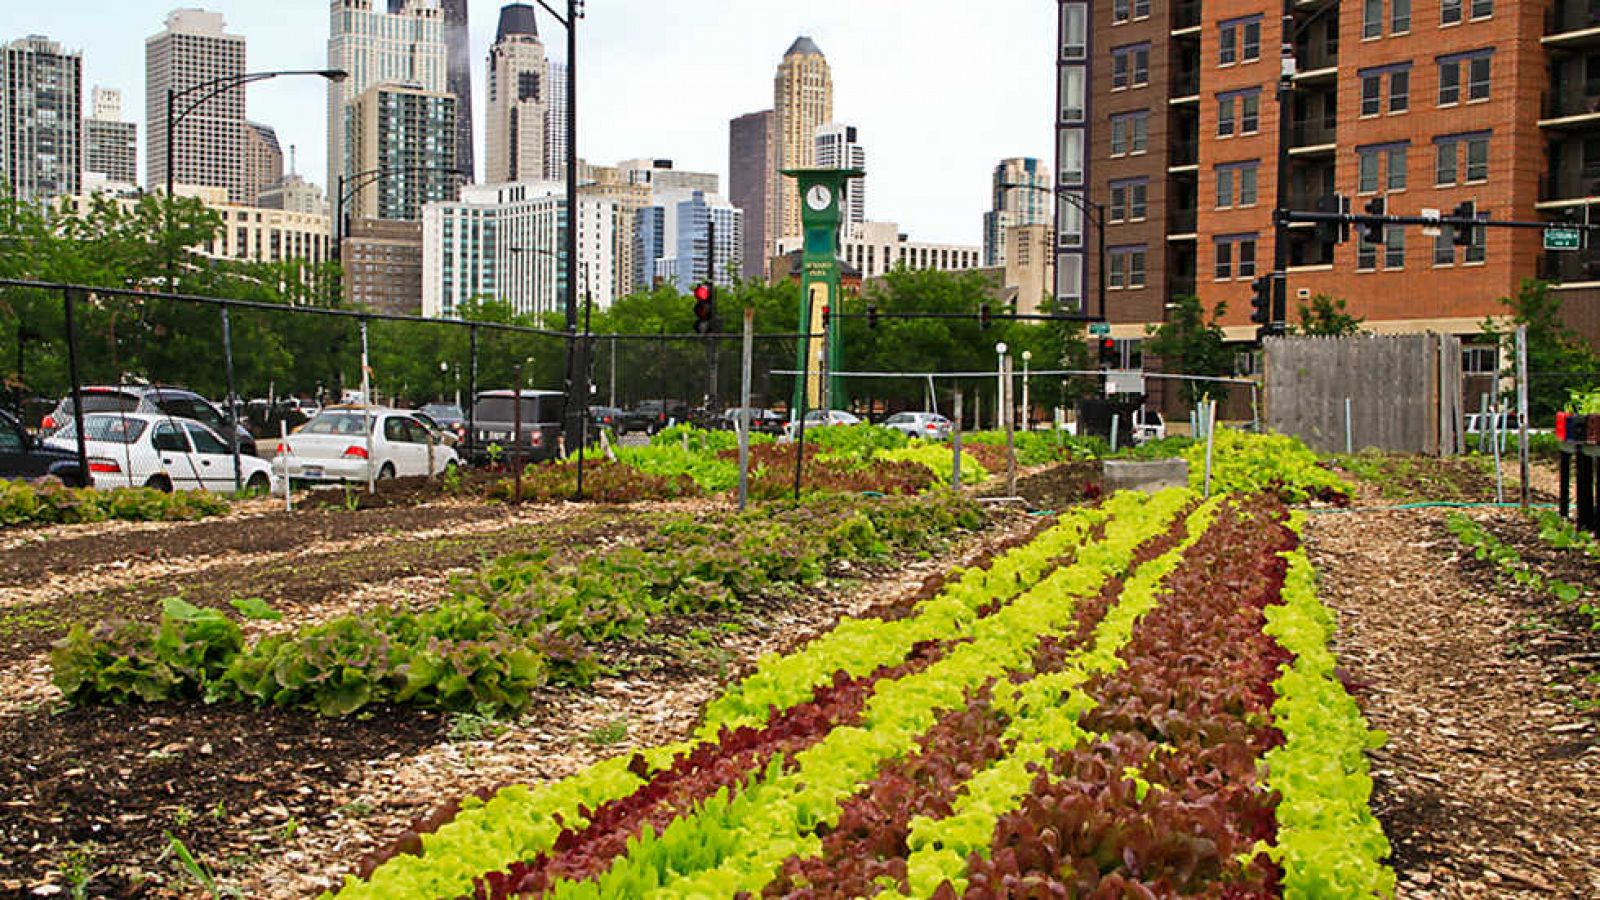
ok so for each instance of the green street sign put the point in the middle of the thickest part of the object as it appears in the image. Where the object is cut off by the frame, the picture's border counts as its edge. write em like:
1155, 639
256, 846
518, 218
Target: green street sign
1099, 329
1559, 238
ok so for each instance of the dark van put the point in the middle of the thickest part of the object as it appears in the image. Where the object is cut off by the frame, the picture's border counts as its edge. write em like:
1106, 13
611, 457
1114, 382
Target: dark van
494, 422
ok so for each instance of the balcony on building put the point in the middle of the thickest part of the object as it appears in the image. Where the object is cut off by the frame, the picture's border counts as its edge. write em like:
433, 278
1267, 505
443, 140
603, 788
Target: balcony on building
1186, 18
1181, 262
1312, 137
1572, 25
1185, 69
1183, 146
1573, 178
1183, 208
1571, 268
1573, 102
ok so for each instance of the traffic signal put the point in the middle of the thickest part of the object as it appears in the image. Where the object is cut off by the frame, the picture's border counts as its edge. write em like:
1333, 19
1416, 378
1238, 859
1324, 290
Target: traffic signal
1463, 236
1108, 353
1334, 232
1261, 300
1372, 232
705, 307
872, 316
983, 315
826, 315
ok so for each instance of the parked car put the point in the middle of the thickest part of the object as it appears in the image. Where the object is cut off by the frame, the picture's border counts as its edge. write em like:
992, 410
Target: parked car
762, 421
1148, 425
821, 418
335, 446
496, 416
605, 417
652, 416
24, 457
440, 433
157, 399
161, 451
925, 425
449, 417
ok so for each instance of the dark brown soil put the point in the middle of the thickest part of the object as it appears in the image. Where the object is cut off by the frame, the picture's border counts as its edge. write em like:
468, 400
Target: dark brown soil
1062, 485
1415, 478
108, 785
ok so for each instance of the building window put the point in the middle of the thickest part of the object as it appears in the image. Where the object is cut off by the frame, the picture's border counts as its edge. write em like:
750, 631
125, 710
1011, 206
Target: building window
1371, 19
1250, 113
1400, 17
1070, 152
1239, 41
1121, 11
1075, 31
1397, 168
1482, 9
1447, 168
1444, 248
1072, 94
1449, 12
1478, 78
1371, 94
1235, 256
1477, 75
1394, 246
1130, 133
1237, 180
1141, 9
1478, 250
1129, 200
1366, 254
1125, 268
1399, 90
1225, 116
1130, 66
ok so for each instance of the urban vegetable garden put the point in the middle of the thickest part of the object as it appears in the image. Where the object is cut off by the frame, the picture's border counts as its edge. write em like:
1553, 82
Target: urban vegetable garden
1294, 677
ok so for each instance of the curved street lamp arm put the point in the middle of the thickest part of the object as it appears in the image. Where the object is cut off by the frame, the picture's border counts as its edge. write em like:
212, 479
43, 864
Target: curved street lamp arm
1095, 211
227, 83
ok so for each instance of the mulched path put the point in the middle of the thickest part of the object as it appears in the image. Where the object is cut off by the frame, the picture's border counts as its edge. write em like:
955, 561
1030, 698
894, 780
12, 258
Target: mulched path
1488, 785
1413, 478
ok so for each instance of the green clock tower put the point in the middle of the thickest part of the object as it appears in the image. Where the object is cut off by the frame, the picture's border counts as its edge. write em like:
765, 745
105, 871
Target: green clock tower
821, 191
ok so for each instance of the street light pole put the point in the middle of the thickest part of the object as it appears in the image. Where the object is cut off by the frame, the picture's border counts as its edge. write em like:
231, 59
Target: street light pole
1095, 213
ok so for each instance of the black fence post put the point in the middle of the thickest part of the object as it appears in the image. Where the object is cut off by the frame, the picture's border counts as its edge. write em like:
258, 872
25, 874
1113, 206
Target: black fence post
69, 298
232, 401
472, 392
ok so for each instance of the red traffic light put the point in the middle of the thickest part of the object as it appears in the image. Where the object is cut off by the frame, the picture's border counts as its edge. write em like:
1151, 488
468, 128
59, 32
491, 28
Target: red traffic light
702, 291
1107, 344
705, 312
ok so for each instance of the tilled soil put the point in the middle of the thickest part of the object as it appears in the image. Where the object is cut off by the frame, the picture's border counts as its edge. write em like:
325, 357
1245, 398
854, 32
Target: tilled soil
1487, 787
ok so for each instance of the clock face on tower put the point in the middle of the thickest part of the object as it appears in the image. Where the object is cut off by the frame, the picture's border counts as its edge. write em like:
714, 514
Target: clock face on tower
819, 197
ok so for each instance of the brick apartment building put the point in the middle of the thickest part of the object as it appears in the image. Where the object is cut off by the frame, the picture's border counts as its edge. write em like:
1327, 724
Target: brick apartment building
1427, 103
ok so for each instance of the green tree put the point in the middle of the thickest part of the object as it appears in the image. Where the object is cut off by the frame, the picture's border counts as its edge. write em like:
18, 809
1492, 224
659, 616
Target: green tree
1559, 360
1190, 342
1326, 316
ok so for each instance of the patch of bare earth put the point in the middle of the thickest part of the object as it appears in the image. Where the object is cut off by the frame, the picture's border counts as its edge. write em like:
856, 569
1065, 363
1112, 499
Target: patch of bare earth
1488, 785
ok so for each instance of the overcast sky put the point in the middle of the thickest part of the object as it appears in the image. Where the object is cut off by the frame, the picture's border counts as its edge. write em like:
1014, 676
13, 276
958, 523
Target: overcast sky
941, 90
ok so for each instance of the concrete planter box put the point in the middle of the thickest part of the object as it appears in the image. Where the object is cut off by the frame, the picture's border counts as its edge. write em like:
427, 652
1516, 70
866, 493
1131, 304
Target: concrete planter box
1147, 475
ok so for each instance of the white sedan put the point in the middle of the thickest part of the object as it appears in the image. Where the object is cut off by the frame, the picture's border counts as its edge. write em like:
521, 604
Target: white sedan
349, 443
160, 451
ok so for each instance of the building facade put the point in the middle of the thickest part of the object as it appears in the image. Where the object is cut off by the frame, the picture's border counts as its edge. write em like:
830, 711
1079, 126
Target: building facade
208, 141
876, 248
110, 145
376, 47
263, 160
802, 101
1072, 117
752, 158
687, 237
518, 89
1419, 108
1022, 193
295, 194
382, 262
839, 147
503, 242
41, 123
409, 134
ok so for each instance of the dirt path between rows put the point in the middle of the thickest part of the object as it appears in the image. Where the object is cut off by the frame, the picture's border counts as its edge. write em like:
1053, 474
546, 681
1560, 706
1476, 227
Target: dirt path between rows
1488, 786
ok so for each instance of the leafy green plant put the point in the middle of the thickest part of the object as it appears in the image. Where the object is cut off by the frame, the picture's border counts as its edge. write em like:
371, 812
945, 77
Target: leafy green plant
187, 864
610, 733
1247, 463
22, 503
1485, 547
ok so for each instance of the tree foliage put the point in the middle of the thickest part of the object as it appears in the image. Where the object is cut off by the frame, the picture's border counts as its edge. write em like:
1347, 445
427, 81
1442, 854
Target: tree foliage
1326, 316
1190, 342
1559, 360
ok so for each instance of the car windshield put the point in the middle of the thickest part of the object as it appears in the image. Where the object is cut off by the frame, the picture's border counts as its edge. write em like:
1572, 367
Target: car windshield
343, 422
900, 419
443, 411
103, 401
191, 408
111, 429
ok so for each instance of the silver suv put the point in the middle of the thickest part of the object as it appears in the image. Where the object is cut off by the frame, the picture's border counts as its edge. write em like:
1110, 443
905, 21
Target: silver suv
925, 425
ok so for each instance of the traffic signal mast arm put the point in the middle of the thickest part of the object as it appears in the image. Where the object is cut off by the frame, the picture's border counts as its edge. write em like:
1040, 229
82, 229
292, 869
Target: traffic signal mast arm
1360, 219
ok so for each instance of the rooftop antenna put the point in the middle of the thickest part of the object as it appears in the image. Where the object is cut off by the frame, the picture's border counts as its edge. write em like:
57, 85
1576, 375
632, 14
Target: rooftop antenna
292, 167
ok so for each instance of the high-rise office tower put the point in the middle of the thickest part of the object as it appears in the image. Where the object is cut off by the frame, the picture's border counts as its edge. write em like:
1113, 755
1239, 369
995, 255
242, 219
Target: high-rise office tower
1415, 107
110, 145
518, 86
1021, 197
41, 123
208, 142
376, 47
458, 77
751, 162
838, 147
263, 160
802, 102
555, 124
407, 132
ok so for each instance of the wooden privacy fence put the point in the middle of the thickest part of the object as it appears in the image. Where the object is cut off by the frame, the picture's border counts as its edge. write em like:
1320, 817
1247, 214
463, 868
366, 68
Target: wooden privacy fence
1393, 392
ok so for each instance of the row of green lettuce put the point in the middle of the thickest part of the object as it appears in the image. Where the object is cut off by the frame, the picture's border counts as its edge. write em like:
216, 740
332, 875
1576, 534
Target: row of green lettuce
51, 503
520, 822
519, 622
735, 843
1508, 562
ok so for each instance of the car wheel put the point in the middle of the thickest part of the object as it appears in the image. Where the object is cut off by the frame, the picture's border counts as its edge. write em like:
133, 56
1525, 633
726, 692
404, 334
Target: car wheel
160, 482
386, 472
259, 483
